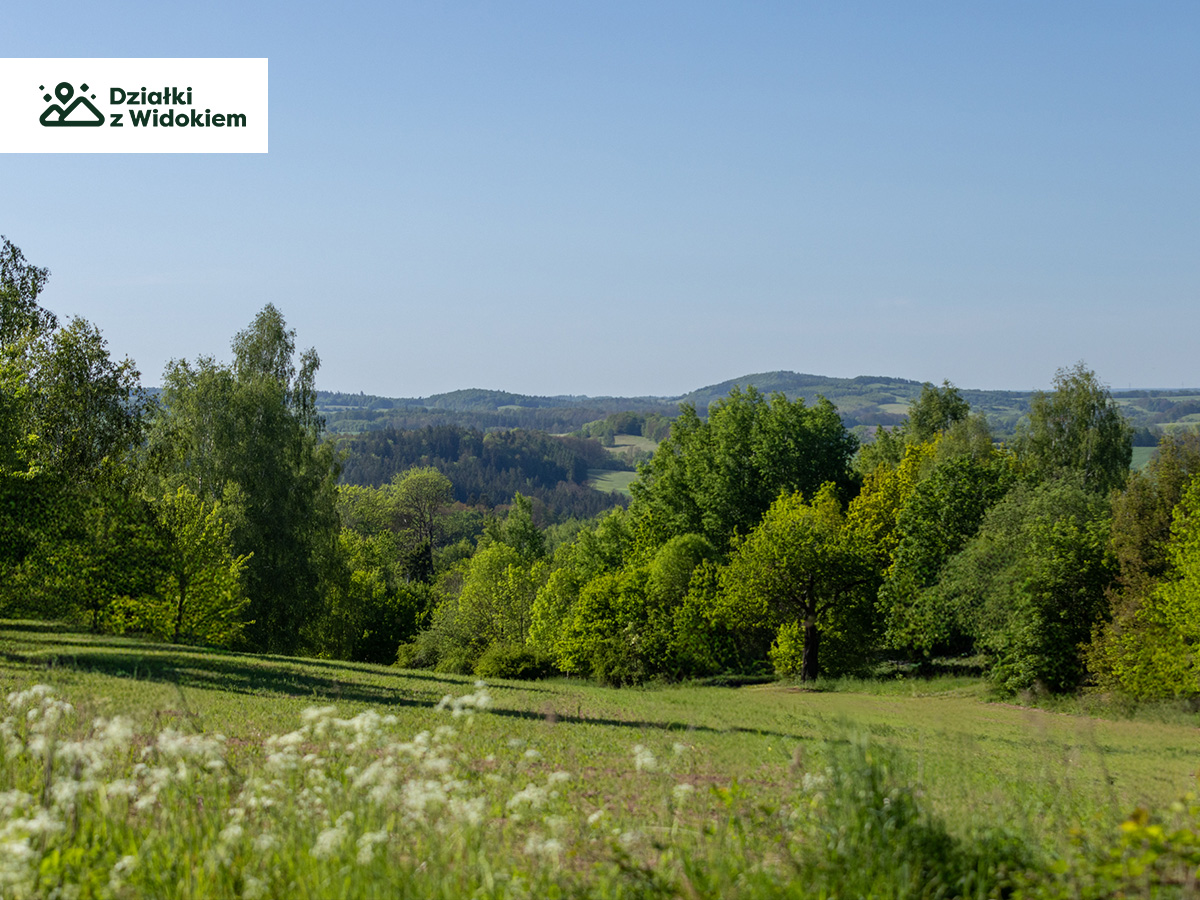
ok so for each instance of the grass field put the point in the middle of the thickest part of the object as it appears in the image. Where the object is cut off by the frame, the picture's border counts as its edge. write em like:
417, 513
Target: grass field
609, 480
1141, 458
519, 789
636, 441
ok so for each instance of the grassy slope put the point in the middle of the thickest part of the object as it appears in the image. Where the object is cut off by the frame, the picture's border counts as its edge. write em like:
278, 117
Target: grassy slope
609, 480
1037, 772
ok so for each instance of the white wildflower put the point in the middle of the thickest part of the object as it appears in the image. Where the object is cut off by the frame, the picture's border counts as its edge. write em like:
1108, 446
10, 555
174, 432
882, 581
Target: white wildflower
329, 842
254, 888
596, 816
629, 839
532, 794
265, 842
811, 783
11, 801
536, 845
681, 793
643, 759
367, 844
120, 787
468, 811
558, 777
419, 795
120, 871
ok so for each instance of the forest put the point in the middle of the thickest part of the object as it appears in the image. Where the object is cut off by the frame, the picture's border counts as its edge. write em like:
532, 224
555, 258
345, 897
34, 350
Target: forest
765, 537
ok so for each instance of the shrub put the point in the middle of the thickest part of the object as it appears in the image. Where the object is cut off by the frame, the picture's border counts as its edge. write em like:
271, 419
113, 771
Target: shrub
513, 661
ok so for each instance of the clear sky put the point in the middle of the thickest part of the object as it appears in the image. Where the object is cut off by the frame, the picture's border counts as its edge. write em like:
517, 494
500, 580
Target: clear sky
643, 198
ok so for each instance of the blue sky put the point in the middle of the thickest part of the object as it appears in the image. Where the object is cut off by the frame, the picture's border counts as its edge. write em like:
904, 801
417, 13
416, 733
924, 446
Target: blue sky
643, 198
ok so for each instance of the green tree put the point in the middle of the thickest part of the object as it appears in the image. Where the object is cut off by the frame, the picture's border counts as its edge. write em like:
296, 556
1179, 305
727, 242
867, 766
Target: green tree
937, 518
520, 532
802, 566
86, 411
421, 497
371, 608
202, 588
1157, 654
249, 436
492, 604
1141, 542
20, 284
1030, 586
934, 411
716, 478
1077, 430
74, 531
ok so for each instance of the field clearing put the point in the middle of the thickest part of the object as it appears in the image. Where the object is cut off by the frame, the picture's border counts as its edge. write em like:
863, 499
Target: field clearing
1141, 458
623, 442
550, 778
609, 480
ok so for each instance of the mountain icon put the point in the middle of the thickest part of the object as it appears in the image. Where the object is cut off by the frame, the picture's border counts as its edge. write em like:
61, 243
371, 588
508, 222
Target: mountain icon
81, 112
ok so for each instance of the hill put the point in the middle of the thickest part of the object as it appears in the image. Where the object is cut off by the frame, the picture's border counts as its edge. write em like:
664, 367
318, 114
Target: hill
865, 403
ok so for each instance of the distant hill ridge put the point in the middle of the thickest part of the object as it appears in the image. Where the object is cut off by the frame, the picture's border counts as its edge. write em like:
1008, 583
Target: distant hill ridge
865, 402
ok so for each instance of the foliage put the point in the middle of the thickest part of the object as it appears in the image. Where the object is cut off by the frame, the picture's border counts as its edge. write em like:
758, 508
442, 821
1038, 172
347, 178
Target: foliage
1077, 430
804, 565
201, 596
937, 518
371, 608
1157, 653
412, 508
513, 661
1029, 587
20, 284
486, 469
248, 436
1141, 529
934, 411
488, 601
717, 477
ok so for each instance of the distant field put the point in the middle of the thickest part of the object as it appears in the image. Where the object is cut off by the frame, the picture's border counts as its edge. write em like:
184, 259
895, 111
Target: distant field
636, 441
1141, 457
608, 480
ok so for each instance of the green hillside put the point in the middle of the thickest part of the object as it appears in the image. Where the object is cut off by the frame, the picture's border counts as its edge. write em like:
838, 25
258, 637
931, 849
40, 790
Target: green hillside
186, 773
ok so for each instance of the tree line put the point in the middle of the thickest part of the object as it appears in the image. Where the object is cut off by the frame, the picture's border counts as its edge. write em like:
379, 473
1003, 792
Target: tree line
764, 538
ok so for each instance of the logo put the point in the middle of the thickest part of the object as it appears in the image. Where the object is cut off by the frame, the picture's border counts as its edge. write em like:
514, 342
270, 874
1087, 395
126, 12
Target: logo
133, 105
79, 113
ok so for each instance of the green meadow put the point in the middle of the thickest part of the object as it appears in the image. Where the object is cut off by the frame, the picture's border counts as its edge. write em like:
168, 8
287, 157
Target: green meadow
184, 772
611, 480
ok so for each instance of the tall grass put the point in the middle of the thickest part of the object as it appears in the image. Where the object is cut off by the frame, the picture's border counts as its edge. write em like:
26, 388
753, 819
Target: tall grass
146, 771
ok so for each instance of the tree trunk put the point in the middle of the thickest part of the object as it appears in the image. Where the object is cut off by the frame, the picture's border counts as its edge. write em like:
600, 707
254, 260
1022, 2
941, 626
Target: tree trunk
183, 586
809, 666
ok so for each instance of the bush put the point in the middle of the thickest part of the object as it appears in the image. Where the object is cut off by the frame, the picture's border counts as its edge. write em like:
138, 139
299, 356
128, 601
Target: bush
513, 661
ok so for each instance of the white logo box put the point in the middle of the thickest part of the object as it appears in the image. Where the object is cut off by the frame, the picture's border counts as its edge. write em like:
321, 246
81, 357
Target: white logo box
204, 105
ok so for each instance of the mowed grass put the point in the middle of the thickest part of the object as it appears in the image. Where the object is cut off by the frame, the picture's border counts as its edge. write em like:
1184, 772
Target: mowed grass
608, 480
1035, 770
1141, 458
623, 442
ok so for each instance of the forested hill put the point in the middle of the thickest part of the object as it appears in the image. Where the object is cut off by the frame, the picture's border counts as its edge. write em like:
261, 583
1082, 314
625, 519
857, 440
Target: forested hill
486, 468
864, 402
